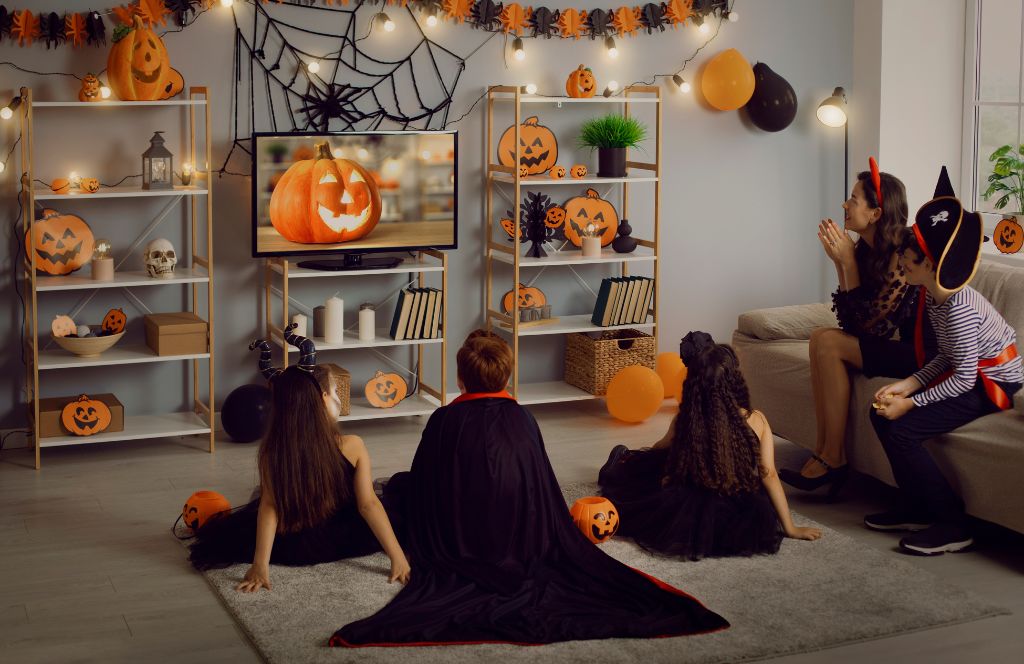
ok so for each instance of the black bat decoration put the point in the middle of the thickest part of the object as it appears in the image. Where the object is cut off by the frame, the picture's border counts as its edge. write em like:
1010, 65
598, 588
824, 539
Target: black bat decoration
653, 17
598, 21
51, 28
545, 22
95, 30
486, 14
6, 21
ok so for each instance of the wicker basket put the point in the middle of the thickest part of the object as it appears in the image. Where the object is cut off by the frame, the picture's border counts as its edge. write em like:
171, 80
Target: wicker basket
590, 363
342, 385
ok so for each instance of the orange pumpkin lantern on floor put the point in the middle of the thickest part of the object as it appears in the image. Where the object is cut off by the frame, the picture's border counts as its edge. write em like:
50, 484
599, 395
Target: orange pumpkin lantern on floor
581, 83
85, 416
1008, 236
538, 149
63, 243
588, 209
386, 390
325, 200
529, 296
138, 67
596, 518
202, 506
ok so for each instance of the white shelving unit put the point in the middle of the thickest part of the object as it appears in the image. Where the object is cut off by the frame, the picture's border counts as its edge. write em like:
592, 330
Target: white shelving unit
198, 275
497, 252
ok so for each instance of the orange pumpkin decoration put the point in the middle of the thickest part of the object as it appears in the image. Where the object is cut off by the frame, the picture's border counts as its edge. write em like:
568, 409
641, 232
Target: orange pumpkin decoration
325, 200
529, 296
85, 416
302, 153
63, 326
386, 390
90, 89
523, 171
201, 507
90, 185
578, 171
554, 217
60, 185
509, 227
596, 518
1008, 236
114, 322
538, 149
581, 83
588, 209
63, 243
139, 69
557, 172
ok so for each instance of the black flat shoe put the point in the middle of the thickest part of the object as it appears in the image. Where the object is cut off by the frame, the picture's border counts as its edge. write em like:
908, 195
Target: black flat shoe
834, 478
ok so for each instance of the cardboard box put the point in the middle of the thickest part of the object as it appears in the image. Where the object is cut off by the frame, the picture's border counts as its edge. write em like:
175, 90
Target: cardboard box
50, 410
181, 333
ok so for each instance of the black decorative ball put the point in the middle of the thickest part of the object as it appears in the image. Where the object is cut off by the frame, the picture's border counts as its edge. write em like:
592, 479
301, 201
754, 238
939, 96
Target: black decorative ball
246, 413
773, 105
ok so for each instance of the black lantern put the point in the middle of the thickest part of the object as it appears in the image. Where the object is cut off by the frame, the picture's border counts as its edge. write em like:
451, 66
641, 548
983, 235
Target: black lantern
156, 164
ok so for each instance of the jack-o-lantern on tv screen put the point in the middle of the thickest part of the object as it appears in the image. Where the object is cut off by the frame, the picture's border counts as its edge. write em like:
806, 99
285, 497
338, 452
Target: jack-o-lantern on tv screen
538, 148
586, 210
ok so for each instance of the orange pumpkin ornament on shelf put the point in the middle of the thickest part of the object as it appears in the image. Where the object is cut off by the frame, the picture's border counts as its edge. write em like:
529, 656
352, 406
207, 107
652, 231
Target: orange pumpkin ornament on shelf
325, 200
557, 172
1008, 236
90, 89
62, 243
581, 83
578, 171
523, 171
509, 227
201, 507
554, 217
529, 296
63, 326
386, 390
90, 185
85, 416
114, 322
538, 149
138, 67
596, 518
60, 185
588, 209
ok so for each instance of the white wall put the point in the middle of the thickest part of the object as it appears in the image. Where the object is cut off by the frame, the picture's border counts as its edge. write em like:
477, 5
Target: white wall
739, 209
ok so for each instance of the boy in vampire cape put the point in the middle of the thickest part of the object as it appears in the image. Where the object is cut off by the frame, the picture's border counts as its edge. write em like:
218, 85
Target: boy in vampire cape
495, 556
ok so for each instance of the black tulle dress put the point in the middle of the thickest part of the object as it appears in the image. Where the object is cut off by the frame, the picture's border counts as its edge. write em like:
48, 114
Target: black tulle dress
231, 539
686, 521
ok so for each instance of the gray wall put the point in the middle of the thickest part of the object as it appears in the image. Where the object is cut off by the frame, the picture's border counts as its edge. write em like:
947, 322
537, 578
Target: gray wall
739, 206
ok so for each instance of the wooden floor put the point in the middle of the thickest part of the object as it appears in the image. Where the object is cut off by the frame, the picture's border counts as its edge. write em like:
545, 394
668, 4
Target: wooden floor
89, 570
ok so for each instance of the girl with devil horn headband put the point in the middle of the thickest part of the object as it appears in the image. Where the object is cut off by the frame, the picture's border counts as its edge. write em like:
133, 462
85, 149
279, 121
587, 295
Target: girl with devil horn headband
875, 309
316, 501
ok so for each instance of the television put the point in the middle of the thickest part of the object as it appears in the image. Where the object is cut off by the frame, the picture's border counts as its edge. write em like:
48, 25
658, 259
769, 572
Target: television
344, 195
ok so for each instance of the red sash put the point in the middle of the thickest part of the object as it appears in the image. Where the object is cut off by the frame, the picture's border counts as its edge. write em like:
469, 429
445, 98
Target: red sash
992, 389
472, 396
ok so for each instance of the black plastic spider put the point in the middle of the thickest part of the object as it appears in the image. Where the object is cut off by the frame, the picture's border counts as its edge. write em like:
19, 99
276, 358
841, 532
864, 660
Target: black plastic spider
334, 101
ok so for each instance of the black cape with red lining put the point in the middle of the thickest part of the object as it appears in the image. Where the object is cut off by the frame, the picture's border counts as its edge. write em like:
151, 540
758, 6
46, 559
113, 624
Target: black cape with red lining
495, 555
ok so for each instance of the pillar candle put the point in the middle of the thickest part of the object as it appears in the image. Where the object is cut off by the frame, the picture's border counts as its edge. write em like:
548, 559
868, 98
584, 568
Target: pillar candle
319, 314
367, 322
591, 247
300, 322
334, 322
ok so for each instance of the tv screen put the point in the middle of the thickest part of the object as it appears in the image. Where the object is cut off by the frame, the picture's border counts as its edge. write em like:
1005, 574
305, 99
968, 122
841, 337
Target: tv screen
349, 193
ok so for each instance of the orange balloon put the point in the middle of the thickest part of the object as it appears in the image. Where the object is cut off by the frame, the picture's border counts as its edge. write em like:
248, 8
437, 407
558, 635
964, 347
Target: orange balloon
679, 380
667, 365
634, 394
728, 81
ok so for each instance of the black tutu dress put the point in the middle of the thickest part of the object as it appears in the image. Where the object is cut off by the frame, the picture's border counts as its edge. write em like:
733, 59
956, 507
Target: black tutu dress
231, 538
686, 521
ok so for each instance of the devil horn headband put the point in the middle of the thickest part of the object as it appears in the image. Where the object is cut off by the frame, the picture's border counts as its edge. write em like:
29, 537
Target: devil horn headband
876, 179
307, 353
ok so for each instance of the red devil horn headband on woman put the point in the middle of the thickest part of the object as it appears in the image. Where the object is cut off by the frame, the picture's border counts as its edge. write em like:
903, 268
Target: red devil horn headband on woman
307, 353
876, 179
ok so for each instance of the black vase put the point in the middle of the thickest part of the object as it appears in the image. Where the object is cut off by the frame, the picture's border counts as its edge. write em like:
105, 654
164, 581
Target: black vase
611, 162
624, 244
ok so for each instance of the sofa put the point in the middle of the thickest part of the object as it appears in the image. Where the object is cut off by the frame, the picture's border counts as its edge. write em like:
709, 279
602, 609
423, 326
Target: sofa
984, 460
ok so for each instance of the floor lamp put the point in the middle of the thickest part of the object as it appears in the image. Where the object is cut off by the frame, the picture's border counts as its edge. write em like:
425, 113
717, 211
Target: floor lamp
832, 113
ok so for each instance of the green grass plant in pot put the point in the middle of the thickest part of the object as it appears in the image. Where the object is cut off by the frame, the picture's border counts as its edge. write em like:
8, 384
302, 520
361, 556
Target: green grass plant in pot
610, 135
1007, 178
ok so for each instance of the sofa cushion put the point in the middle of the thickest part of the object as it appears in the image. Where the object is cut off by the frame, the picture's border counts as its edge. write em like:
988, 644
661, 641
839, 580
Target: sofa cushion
792, 322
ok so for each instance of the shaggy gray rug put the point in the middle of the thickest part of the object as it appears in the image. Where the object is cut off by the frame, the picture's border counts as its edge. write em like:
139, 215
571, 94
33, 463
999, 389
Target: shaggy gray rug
809, 596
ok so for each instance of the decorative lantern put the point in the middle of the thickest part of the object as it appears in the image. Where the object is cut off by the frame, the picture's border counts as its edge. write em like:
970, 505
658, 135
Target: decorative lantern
156, 164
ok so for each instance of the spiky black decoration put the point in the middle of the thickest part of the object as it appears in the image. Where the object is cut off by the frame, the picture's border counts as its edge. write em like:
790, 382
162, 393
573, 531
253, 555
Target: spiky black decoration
95, 30
544, 22
533, 212
598, 21
485, 14
51, 29
653, 17
6, 21
332, 101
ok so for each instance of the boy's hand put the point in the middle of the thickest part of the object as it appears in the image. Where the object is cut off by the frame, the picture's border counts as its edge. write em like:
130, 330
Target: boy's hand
893, 408
902, 388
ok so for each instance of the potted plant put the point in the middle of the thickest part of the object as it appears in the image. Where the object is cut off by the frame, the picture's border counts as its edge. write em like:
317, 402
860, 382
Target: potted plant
610, 136
1007, 181
277, 151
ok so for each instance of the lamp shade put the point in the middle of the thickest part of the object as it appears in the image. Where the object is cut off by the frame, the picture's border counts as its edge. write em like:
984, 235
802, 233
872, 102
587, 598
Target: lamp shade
832, 111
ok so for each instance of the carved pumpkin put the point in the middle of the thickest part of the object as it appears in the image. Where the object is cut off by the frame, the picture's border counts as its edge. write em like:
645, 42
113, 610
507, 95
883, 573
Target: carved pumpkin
528, 297
90, 89
139, 69
63, 326
63, 243
325, 200
1008, 236
578, 171
85, 416
581, 83
557, 172
538, 149
596, 518
554, 217
201, 507
523, 171
509, 227
114, 322
60, 186
582, 211
386, 390
90, 185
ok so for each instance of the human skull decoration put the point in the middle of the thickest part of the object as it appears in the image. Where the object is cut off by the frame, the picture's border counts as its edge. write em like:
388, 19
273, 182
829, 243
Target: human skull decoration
160, 259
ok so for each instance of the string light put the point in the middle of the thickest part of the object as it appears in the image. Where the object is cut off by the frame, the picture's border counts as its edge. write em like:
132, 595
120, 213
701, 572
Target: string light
681, 83
384, 21
611, 88
703, 28
7, 112
226, 3
313, 67
3, 167
517, 49
530, 88
609, 44
362, 153
432, 18
339, 153
732, 15
105, 92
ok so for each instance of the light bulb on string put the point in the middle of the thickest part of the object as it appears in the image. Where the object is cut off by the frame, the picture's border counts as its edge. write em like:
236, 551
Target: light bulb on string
6, 113
432, 19
517, 49
384, 21
704, 28
732, 15
530, 88
611, 88
681, 83
3, 166
226, 3
609, 44
339, 153
313, 67
105, 91
362, 153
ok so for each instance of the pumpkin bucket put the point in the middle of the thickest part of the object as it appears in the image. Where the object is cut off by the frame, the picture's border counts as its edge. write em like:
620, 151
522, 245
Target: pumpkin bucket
596, 518
590, 363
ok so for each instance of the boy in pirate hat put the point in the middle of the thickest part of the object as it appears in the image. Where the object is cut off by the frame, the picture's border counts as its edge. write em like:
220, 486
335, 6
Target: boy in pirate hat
976, 372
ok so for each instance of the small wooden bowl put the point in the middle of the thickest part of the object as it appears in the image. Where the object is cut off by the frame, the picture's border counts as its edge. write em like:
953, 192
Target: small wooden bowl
88, 346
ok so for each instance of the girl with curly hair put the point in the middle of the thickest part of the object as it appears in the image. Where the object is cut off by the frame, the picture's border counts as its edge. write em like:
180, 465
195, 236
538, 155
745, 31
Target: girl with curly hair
709, 487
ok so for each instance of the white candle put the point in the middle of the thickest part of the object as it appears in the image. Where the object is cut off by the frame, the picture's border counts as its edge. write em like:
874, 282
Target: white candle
591, 247
334, 323
300, 322
367, 323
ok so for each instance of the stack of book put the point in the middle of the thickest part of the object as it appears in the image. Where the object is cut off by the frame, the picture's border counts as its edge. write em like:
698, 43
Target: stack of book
623, 301
417, 314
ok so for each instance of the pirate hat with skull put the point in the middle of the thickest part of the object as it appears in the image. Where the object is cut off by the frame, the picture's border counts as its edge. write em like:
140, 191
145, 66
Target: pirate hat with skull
307, 353
949, 236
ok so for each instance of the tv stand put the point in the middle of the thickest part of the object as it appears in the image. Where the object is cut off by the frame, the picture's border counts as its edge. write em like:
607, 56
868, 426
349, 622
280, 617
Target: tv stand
352, 262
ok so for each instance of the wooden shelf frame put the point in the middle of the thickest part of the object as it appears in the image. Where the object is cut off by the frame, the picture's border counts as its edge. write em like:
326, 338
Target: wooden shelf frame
428, 396
497, 252
198, 277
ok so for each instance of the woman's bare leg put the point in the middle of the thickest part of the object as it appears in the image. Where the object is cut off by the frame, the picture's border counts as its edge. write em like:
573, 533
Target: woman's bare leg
818, 395
837, 353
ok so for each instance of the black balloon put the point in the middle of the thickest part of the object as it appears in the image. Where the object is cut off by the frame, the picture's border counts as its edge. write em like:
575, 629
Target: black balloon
246, 412
773, 105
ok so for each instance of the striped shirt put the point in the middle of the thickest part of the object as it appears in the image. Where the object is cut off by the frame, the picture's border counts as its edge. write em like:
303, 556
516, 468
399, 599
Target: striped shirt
968, 329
